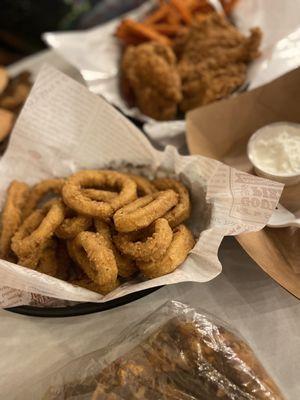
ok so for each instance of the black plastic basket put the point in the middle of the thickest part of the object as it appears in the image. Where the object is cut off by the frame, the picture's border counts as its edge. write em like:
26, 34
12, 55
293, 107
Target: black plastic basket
81, 308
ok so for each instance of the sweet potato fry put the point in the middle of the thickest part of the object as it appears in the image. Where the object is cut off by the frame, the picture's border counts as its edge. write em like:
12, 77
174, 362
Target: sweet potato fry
145, 31
201, 6
128, 39
167, 29
203, 9
173, 17
121, 30
124, 34
200, 17
184, 12
167, 20
191, 4
157, 15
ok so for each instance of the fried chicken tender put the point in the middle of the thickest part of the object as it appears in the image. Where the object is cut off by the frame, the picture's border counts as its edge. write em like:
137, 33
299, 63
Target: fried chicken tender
213, 58
150, 71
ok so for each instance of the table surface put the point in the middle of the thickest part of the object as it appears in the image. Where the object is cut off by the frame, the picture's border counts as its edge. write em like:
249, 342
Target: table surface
243, 295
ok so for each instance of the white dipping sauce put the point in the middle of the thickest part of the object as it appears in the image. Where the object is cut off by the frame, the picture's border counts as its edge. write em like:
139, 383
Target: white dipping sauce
275, 149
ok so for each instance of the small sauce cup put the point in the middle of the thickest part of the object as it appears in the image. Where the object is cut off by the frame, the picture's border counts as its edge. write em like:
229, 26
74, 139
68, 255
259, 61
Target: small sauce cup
284, 177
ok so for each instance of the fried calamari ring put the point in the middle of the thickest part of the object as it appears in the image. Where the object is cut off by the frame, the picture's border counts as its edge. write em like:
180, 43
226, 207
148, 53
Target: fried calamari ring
126, 266
64, 261
86, 283
177, 252
182, 210
99, 195
12, 215
55, 260
39, 191
7, 119
145, 210
144, 186
32, 236
148, 248
72, 225
26, 258
91, 253
75, 199
48, 261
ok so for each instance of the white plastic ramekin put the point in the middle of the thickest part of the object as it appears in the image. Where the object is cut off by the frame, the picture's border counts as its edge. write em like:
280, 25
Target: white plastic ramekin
287, 178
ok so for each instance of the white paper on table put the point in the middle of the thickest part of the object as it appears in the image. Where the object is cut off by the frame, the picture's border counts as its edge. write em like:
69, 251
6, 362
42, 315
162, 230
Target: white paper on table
64, 128
166, 133
96, 53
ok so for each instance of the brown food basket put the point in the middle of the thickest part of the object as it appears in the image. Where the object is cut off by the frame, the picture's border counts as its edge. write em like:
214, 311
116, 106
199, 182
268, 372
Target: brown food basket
221, 131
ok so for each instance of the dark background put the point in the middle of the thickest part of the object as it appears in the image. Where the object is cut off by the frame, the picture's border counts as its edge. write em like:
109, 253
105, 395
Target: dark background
23, 21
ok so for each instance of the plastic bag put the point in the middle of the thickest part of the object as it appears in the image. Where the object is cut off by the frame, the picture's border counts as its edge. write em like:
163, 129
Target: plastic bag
175, 353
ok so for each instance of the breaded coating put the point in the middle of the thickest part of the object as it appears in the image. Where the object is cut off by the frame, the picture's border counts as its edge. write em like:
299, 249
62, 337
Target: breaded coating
182, 242
146, 245
182, 210
150, 71
39, 191
12, 215
213, 58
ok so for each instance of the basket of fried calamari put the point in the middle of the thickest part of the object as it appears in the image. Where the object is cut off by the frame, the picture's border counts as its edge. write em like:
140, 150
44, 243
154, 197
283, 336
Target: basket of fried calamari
92, 212
175, 353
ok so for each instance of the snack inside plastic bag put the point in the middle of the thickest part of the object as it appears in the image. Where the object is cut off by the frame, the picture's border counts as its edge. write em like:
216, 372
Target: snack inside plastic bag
175, 353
